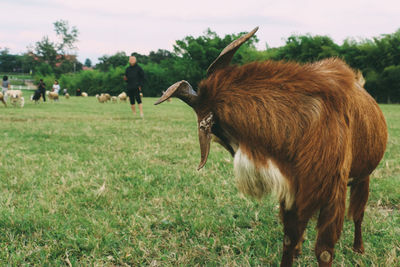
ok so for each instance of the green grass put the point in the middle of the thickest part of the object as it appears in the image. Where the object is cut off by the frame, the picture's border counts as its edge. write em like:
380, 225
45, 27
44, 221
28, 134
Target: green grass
84, 183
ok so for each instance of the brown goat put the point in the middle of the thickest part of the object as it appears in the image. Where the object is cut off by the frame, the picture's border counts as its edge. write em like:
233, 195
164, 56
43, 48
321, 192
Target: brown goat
297, 131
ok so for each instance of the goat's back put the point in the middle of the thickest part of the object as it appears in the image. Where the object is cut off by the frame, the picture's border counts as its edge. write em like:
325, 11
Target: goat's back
305, 114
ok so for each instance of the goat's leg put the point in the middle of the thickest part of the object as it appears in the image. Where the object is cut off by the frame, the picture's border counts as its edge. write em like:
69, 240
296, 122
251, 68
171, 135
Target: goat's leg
330, 224
358, 200
294, 226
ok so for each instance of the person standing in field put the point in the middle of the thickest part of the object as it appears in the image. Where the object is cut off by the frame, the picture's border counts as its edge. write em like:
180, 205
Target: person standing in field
56, 87
42, 89
5, 86
134, 76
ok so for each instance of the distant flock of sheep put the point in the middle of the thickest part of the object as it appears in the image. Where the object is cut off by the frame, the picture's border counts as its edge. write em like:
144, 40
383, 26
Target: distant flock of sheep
103, 98
16, 99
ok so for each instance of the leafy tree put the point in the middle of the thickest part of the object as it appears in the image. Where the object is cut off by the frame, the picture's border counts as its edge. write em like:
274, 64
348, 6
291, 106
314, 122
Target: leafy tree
387, 50
88, 63
372, 84
27, 62
157, 79
194, 55
153, 57
113, 83
46, 51
69, 64
116, 60
389, 84
55, 54
307, 48
44, 69
8, 62
160, 55
68, 36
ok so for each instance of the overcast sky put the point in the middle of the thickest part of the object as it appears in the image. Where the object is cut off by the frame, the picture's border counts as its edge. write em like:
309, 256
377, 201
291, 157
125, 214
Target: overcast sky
106, 27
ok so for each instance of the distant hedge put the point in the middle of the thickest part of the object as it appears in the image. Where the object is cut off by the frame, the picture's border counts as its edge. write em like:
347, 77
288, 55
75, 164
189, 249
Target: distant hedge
378, 59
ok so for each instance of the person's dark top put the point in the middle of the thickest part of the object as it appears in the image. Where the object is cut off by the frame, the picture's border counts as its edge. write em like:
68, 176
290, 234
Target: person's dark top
42, 86
135, 76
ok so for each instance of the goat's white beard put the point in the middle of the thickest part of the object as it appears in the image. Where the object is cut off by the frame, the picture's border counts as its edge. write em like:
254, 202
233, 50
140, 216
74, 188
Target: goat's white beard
263, 180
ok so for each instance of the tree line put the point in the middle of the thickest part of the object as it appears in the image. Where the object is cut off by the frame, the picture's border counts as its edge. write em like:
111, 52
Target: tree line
378, 59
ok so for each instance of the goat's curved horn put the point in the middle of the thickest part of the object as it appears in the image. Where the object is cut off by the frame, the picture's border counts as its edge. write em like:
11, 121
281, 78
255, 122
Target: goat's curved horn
226, 55
182, 90
205, 126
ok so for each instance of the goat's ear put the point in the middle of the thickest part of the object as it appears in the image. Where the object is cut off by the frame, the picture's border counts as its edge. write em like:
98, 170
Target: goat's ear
182, 90
226, 55
205, 126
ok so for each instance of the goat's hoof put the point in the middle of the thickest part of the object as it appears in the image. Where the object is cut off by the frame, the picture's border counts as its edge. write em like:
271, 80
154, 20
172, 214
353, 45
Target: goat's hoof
298, 248
359, 249
297, 253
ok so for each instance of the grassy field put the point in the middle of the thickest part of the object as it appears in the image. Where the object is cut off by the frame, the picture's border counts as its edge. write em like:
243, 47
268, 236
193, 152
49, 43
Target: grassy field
84, 183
